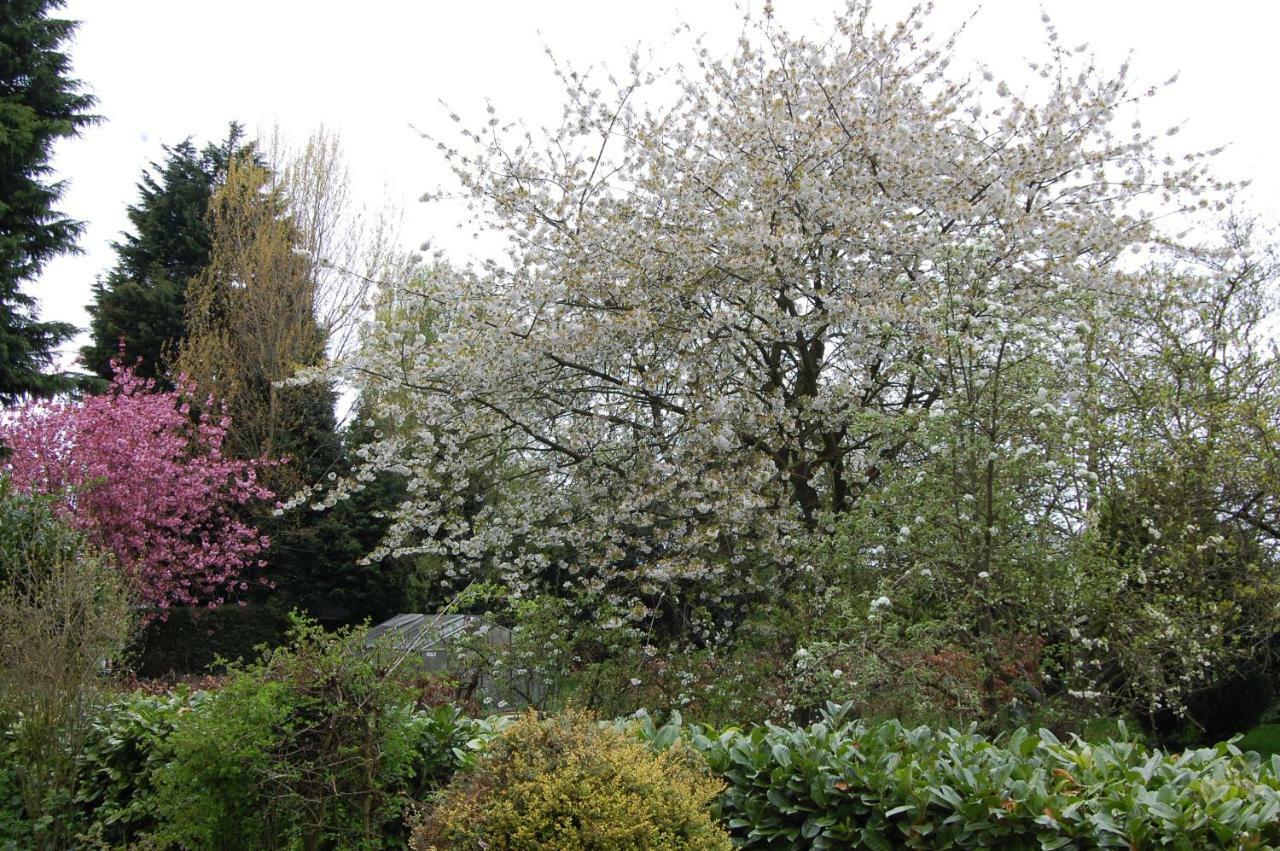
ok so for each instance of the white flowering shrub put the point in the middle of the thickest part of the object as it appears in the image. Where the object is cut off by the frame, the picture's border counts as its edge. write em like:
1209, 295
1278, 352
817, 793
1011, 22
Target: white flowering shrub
833, 286
1101, 537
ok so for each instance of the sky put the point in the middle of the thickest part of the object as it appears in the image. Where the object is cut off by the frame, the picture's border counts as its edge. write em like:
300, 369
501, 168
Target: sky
377, 72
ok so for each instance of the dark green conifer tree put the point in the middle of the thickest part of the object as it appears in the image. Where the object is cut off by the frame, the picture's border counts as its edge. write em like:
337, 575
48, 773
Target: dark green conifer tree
39, 104
249, 323
142, 300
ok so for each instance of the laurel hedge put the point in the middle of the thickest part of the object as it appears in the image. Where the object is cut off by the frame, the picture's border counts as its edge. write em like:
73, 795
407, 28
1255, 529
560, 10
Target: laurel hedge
844, 783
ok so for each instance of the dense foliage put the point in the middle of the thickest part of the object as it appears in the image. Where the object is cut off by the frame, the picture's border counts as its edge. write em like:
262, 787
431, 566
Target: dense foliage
306, 759
147, 481
569, 783
218, 770
844, 783
317, 745
127, 744
138, 309
320, 745
39, 105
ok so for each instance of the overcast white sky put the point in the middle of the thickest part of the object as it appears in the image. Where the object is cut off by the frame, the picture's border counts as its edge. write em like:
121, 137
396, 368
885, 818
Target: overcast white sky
167, 69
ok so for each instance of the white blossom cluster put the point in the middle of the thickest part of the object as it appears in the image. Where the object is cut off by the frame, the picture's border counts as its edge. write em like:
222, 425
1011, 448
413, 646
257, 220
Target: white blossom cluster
719, 320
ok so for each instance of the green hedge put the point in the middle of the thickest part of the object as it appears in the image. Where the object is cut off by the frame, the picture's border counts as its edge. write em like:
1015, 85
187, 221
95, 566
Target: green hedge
320, 744
191, 639
130, 773
839, 783
845, 784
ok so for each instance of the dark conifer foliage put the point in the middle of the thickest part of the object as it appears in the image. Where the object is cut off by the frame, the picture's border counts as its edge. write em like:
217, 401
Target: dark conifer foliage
40, 103
142, 300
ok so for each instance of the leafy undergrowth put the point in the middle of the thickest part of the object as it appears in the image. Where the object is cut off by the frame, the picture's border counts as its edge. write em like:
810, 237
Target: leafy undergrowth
846, 784
838, 783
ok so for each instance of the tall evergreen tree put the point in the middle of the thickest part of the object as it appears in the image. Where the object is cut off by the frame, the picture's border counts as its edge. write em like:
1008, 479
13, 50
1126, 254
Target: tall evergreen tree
142, 300
39, 104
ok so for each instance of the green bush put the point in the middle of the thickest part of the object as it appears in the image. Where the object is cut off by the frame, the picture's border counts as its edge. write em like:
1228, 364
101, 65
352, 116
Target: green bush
128, 744
843, 784
212, 790
318, 745
568, 783
65, 617
133, 747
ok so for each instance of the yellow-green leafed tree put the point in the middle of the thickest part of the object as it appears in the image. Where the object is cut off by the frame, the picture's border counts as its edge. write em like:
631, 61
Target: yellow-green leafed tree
252, 326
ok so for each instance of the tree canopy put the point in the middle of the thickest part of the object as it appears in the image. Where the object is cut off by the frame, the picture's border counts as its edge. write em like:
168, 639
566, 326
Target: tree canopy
837, 323
147, 482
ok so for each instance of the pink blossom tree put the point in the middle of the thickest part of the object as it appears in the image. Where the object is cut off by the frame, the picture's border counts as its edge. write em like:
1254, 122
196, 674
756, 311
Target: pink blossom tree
146, 479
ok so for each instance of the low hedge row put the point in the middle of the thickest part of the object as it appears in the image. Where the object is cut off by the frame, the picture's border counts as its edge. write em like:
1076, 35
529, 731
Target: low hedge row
842, 783
839, 783
130, 774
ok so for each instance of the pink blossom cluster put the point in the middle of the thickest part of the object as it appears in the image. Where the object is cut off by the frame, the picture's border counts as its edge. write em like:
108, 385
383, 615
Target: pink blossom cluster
144, 476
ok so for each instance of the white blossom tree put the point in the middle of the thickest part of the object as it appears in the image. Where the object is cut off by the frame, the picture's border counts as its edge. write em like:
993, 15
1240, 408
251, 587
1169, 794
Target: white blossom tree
1090, 517
718, 322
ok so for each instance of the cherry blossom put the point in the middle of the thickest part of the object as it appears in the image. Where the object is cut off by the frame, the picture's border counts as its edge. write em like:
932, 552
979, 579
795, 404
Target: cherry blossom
143, 475
719, 321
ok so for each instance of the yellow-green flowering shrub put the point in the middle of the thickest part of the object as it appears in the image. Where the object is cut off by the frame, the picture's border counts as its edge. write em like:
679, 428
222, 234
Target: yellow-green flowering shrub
569, 783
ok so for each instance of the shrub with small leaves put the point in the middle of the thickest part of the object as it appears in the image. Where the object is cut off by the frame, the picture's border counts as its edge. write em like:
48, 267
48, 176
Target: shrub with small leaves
569, 783
316, 746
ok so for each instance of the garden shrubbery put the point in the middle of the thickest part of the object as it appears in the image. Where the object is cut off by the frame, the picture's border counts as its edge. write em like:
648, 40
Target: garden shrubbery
846, 784
319, 746
329, 744
568, 782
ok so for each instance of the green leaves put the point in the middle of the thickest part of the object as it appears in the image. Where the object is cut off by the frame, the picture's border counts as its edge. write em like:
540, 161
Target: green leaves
844, 784
837, 784
127, 745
